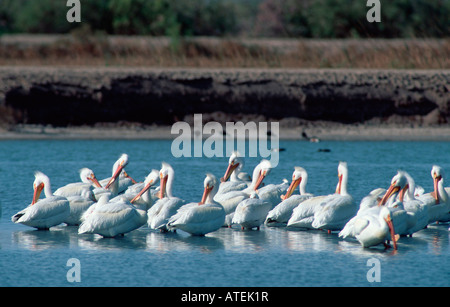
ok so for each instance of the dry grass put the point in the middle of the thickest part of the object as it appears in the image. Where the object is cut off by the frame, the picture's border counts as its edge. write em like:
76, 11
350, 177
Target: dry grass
92, 50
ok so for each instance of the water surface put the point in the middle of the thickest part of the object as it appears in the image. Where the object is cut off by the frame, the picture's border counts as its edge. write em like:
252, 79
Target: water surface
228, 257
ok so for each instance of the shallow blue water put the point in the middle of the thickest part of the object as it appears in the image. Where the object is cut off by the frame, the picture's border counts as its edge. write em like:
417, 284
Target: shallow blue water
228, 257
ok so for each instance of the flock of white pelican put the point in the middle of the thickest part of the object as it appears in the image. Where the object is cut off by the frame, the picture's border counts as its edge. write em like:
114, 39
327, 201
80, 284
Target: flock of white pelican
118, 205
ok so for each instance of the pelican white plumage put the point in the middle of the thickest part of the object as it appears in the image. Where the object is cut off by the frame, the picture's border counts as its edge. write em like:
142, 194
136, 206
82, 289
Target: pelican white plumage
78, 205
140, 196
230, 200
438, 201
203, 217
372, 229
329, 212
112, 187
413, 206
45, 213
168, 205
88, 181
110, 219
280, 215
251, 212
235, 165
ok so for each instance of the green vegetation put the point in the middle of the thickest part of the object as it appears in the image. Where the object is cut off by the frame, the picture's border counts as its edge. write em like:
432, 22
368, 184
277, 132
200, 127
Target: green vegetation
226, 18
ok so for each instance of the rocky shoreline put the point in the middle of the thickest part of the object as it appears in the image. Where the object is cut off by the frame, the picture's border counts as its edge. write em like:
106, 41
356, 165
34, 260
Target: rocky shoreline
44, 102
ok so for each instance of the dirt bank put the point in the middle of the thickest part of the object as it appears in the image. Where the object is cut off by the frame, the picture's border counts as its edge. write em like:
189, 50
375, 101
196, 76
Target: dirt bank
141, 97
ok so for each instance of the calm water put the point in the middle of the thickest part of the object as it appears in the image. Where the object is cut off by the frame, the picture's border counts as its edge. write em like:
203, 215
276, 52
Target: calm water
228, 257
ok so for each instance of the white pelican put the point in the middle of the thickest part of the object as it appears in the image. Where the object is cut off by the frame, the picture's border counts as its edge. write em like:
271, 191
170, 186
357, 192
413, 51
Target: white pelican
280, 215
371, 230
140, 196
330, 212
251, 212
110, 219
203, 217
112, 186
45, 213
414, 207
88, 181
438, 202
78, 205
235, 165
168, 205
230, 200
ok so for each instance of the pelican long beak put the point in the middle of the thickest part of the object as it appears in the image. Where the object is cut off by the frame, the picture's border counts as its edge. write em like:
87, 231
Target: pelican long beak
260, 179
129, 177
291, 189
37, 192
206, 192
392, 189
162, 186
145, 189
392, 230
436, 193
115, 176
402, 193
338, 188
230, 169
95, 181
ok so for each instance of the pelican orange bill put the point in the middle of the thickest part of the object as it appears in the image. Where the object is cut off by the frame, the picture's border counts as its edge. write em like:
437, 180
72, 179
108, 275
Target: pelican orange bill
231, 167
114, 177
291, 189
145, 189
37, 192
206, 192
260, 179
392, 189
163, 185
392, 230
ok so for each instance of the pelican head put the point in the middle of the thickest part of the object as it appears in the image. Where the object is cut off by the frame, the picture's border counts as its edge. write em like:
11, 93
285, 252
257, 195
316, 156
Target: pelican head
264, 169
117, 169
297, 177
234, 162
437, 173
149, 181
40, 181
164, 174
211, 186
88, 176
342, 175
398, 182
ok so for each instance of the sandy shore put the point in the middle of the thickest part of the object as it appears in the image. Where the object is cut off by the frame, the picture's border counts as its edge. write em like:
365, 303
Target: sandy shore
331, 132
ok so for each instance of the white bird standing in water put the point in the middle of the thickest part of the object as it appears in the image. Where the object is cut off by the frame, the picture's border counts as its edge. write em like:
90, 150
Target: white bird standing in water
371, 230
251, 212
280, 215
110, 219
330, 212
231, 200
438, 201
168, 205
45, 213
203, 217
